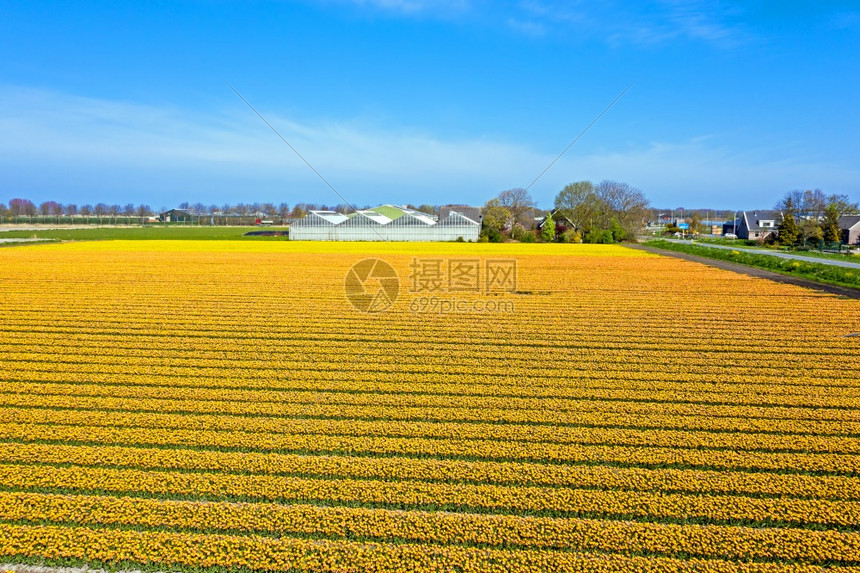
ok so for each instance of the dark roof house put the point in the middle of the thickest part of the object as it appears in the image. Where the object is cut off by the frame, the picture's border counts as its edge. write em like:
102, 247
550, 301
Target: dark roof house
176, 216
559, 220
754, 224
473, 213
849, 225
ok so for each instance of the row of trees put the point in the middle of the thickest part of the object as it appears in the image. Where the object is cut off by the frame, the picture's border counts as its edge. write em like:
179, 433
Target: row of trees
813, 203
604, 213
812, 216
25, 208
608, 212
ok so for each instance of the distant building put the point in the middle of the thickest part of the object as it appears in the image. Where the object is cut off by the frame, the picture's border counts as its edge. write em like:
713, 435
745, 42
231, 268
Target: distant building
849, 226
384, 223
473, 213
753, 224
562, 223
176, 216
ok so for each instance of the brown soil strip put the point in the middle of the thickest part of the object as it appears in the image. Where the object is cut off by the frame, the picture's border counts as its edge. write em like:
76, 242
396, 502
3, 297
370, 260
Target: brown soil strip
755, 272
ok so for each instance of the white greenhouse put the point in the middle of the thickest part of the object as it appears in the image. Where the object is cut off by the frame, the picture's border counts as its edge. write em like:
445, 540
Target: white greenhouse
385, 223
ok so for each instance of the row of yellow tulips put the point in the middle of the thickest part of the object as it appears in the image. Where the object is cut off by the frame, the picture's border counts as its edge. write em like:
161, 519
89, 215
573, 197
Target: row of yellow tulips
460, 497
726, 542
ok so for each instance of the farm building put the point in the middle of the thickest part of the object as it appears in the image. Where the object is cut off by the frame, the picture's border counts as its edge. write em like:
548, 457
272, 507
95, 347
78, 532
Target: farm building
176, 216
385, 223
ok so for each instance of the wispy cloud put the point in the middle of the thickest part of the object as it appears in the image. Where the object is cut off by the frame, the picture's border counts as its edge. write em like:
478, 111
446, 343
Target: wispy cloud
527, 27
621, 23
131, 152
700, 172
413, 7
52, 132
845, 20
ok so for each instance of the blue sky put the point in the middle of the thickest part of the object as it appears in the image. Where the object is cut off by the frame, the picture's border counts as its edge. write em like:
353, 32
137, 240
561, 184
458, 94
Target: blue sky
446, 101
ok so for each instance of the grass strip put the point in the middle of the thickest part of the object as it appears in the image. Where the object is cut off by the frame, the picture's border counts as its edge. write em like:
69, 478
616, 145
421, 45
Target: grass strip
818, 272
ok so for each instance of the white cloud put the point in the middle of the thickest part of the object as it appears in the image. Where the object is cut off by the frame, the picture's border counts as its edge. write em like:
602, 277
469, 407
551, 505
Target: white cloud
62, 143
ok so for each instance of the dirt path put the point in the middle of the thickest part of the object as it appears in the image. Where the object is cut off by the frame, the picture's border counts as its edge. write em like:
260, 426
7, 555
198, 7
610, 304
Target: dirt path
754, 272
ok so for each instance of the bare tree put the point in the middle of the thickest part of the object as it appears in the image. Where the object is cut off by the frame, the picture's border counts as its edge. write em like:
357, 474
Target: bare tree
520, 204
51, 208
627, 204
814, 203
808, 203
843, 205
792, 199
19, 207
268, 209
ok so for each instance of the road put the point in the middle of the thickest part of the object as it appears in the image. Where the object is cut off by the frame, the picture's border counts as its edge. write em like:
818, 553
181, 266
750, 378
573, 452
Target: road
31, 240
781, 254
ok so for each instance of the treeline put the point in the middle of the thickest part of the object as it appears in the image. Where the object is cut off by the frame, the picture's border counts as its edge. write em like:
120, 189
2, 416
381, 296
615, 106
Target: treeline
18, 207
25, 208
810, 216
608, 212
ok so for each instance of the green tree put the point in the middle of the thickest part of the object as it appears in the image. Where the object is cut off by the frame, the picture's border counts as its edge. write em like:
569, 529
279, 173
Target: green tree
696, 223
490, 235
579, 203
496, 215
832, 234
810, 230
788, 229
547, 232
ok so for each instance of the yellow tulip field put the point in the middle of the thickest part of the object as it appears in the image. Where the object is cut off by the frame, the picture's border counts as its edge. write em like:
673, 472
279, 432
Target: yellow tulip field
290, 406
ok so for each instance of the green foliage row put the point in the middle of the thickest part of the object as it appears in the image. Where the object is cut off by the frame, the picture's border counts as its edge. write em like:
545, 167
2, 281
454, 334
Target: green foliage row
830, 274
